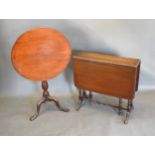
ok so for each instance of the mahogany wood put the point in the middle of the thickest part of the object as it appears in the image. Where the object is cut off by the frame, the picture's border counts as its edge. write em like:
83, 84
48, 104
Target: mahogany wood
111, 75
46, 97
41, 54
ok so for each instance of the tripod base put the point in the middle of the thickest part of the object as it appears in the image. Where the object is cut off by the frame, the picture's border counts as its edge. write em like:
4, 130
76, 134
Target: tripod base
46, 97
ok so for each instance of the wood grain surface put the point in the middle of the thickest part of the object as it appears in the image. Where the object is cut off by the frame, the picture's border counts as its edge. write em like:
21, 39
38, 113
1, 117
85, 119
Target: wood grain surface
41, 54
111, 75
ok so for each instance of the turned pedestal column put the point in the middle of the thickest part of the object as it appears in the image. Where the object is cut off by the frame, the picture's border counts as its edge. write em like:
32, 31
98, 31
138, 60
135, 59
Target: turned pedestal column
41, 54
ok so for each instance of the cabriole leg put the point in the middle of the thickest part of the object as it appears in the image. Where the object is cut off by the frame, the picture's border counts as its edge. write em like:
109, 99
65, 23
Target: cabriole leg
46, 97
54, 99
43, 100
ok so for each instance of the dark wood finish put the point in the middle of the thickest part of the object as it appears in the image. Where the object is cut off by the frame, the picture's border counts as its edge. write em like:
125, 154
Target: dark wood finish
107, 74
46, 97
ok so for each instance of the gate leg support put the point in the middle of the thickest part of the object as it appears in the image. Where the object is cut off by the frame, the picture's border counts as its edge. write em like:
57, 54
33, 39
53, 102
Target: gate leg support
119, 107
81, 98
129, 108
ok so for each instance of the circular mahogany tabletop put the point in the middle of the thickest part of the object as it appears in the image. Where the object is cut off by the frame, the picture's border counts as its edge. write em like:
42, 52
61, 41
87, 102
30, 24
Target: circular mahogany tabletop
41, 54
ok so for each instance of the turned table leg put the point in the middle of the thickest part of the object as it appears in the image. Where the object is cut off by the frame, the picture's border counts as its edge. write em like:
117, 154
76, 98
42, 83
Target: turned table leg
84, 95
81, 98
120, 106
90, 96
129, 108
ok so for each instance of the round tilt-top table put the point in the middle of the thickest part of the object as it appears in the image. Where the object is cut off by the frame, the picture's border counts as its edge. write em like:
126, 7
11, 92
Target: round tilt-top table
41, 54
